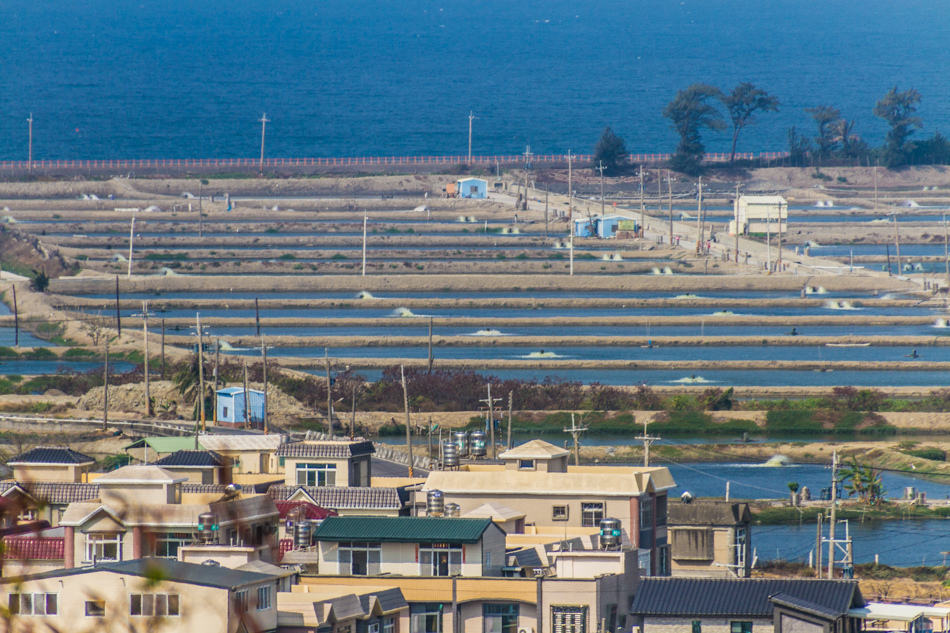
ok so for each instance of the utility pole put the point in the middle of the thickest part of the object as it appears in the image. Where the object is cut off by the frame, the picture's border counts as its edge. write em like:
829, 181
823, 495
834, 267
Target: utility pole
353, 418
647, 439
768, 235
602, 202
199, 209
471, 117
201, 373
163, 349
131, 244
511, 399
818, 547
365, 219
217, 356
699, 216
264, 408
16, 319
575, 432
118, 314
247, 400
430, 345
30, 164
257, 317
326, 361
570, 206
831, 517
491, 418
780, 234
669, 188
897, 241
264, 121
642, 209
105, 393
946, 254
545, 211
527, 167
148, 397
737, 222
405, 399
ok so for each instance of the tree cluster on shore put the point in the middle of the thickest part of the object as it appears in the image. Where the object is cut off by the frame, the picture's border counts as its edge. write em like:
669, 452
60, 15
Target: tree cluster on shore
697, 109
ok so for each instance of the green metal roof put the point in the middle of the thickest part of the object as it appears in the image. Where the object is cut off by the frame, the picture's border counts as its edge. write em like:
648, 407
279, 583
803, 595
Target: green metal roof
401, 529
167, 444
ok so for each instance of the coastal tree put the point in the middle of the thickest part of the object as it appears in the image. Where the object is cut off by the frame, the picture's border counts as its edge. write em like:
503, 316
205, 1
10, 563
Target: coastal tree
863, 482
689, 112
844, 134
611, 150
826, 118
742, 104
899, 110
798, 146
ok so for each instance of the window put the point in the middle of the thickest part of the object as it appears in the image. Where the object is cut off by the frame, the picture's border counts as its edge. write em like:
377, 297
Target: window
740, 550
166, 545
591, 514
34, 603
225, 416
425, 618
240, 601
663, 560
500, 618
372, 627
95, 608
646, 513
389, 625
440, 559
526, 464
26, 515
611, 624
316, 475
740, 627
103, 547
359, 559
568, 619
263, 598
487, 560
697, 626
154, 604
559, 513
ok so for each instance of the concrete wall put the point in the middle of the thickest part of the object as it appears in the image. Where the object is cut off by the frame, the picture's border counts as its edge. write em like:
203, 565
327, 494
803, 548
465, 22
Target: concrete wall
49, 472
123, 495
721, 544
709, 625
402, 559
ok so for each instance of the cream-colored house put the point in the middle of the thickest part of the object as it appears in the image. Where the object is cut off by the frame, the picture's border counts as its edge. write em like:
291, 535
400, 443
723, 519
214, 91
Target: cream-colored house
49, 464
153, 595
409, 546
139, 512
710, 539
349, 501
511, 521
248, 453
199, 467
342, 608
536, 480
327, 463
760, 214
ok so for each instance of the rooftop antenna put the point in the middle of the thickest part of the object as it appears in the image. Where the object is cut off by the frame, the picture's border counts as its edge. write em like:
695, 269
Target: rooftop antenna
647, 439
575, 432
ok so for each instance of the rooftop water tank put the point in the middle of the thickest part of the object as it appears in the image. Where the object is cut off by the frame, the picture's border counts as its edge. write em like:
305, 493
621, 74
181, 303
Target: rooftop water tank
435, 503
452, 510
450, 455
478, 444
207, 528
303, 532
461, 440
610, 534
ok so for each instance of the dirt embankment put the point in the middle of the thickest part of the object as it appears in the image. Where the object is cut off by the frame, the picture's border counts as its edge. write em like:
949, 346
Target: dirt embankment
23, 253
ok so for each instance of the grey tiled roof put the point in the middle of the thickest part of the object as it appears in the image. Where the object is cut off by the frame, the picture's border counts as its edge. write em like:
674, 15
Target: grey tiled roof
335, 498
787, 600
51, 455
687, 597
195, 459
331, 450
54, 492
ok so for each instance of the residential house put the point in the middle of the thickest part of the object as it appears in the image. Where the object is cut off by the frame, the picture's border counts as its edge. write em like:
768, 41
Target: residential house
40, 501
719, 605
409, 546
33, 552
377, 501
49, 464
154, 595
291, 512
230, 406
536, 479
199, 467
510, 521
472, 188
148, 449
323, 608
139, 512
710, 538
760, 214
249, 454
605, 226
327, 463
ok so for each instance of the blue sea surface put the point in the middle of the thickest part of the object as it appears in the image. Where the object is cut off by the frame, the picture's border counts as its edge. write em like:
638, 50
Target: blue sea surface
116, 79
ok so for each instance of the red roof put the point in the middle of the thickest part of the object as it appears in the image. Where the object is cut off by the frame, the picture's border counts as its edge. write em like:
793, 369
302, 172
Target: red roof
33, 548
285, 545
313, 511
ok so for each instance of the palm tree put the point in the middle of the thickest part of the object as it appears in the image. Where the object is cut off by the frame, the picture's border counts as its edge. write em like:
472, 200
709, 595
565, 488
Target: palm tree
187, 382
863, 482
844, 134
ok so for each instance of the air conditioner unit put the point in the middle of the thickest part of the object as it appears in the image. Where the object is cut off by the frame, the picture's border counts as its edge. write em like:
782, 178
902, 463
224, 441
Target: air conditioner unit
525, 629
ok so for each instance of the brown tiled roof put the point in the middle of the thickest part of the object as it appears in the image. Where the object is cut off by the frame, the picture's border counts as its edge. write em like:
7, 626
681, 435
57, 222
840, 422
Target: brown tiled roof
33, 548
329, 450
54, 492
335, 498
312, 511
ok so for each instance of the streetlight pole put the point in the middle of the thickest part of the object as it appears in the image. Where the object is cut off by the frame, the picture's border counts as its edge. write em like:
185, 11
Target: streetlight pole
30, 164
471, 117
601, 187
264, 121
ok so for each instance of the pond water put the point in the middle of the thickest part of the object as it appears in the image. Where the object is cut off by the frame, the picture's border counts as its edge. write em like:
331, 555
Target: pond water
27, 339
38, 367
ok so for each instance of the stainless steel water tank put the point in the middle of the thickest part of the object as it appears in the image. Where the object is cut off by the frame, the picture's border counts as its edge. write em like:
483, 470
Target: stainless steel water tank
450, 455
478, 444
207, 528
610, 533
910, 492
435, 503
452, 510
302, 534
461, 440
805, 493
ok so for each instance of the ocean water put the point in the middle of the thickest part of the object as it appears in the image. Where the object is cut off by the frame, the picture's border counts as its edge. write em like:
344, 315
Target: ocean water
163, 78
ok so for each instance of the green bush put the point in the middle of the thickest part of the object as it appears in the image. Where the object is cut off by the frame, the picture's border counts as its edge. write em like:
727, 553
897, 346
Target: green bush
79, 352
287, 256
8, 352
935, 454
41, 353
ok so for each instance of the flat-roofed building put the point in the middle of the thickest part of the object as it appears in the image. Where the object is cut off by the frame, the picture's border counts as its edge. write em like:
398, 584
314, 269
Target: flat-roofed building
710, 539
760, 214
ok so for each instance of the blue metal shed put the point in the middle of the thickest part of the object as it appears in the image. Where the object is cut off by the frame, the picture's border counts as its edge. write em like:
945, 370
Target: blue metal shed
230, 405
582, 228
472, 188
606, 225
